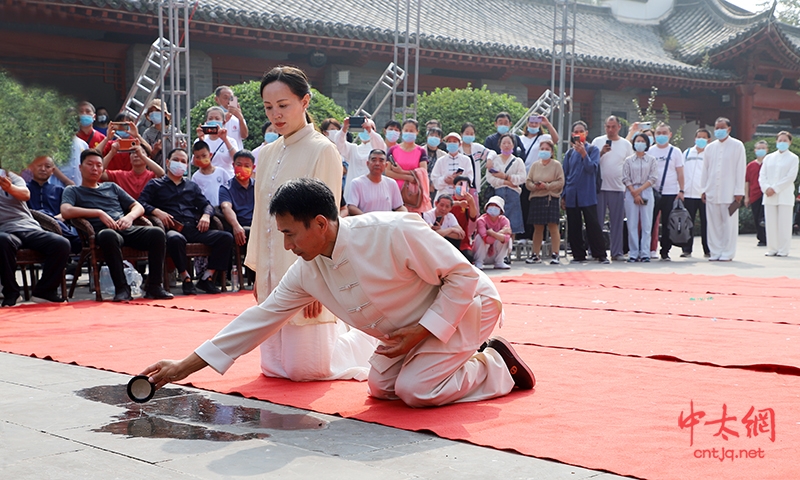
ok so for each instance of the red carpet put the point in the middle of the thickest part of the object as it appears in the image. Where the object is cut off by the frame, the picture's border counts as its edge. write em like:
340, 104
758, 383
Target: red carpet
600, 406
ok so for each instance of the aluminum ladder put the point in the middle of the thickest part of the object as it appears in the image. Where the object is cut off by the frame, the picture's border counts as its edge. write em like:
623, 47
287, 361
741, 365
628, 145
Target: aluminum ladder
149, 79
547, 103
391, 77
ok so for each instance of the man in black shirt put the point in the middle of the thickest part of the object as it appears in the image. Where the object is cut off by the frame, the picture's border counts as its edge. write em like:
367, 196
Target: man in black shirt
186, 213
502, 122
105, 205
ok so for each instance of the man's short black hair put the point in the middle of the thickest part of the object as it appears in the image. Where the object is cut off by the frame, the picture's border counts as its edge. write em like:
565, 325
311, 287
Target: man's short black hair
435, 131
244, 153
172, 152
197, 146
304, 199
393, 123
502, 115
90, 152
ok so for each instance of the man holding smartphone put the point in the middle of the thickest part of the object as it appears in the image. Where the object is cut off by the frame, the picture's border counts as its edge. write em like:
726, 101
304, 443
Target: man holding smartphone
450, 166
234, 121
611, 196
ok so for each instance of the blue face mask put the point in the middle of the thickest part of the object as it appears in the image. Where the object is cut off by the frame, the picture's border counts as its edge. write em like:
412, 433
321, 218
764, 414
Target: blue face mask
640, 146
86, 120
123, 134
434, 142
468, 138
533, 130
700, 142
392, 135
363, 135
503, 129
545, 154
662, 139
761, 152
270, 137
214, 122
459, 190
720, 133
782, 146
452, 147
409, 137
156, 117
493, 211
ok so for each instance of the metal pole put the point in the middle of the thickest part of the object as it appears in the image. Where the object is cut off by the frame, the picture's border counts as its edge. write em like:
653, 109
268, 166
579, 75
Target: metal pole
188, 133
161, 69
572, 63
405, 58
416, 61
394, 61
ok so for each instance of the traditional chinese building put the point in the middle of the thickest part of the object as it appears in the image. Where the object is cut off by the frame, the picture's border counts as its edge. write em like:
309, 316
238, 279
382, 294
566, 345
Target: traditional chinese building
707, 57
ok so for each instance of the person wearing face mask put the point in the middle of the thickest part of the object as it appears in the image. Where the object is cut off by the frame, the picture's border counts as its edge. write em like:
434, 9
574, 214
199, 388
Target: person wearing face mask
392, 133
86, 118
111, 211
409, 163
639, 173
237, 198
159, 133
544, 185
435, 150
692, 177
222, 146
753, 195
505, 172
451, 165
208, 177
502, 123
356, 156
724, 167
186, 214
669, 183
477, 153
101, 120
776, 179
270, 135
493, 241
579, 197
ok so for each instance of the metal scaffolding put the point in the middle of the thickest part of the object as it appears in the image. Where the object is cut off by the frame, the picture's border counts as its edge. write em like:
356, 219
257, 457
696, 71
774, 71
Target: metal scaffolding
404, 102
175, 79
564, 19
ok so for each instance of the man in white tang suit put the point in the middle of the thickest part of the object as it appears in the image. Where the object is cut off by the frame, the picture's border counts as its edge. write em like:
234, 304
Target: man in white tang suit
389, 275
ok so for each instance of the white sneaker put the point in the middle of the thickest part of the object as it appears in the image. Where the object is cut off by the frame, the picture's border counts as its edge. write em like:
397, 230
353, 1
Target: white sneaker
479, 265
501, 266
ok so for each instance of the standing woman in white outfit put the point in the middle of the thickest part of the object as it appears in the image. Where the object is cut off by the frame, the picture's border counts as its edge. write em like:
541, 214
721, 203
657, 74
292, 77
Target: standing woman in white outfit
776, 178
314, 345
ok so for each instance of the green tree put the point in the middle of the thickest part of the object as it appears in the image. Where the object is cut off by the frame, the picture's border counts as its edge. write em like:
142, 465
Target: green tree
454, 107
249, 95
649, 115
35, 121
788, 11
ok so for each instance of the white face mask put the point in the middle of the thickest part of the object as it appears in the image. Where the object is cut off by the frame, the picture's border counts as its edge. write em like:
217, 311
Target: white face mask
177, 168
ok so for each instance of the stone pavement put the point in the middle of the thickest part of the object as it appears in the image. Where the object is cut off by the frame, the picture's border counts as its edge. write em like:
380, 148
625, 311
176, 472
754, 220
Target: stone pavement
64, 421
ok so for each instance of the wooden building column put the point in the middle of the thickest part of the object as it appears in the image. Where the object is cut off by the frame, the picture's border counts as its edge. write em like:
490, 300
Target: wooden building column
744, 123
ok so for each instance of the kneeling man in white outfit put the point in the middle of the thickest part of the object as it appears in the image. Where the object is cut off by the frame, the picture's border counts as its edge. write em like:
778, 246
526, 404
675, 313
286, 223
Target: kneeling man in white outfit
389, 275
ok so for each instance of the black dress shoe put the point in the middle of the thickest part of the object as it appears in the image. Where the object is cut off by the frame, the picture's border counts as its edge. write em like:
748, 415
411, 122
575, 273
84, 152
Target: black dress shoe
10, 301
188, 287
158, 293
47, 297
520, 372
123, 296
207, 286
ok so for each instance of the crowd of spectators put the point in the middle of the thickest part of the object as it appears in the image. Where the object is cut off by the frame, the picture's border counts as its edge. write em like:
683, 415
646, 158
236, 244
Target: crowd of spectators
122, 173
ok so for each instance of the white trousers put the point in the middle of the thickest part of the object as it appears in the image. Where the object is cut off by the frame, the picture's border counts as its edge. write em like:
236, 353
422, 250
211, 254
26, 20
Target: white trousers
639, 246
431, 378
325, 351
778, 220
723, 229
481, 251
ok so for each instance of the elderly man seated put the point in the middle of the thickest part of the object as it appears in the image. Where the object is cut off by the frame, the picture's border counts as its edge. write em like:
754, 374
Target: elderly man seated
112, 212
186, 213
493, 241
443, 222
373, 192
18, 230
46, 198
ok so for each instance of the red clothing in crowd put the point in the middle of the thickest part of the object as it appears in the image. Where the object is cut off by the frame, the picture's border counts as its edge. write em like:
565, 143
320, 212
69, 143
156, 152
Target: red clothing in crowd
751, 176
93, 139
462, 215
120, 161
130, 182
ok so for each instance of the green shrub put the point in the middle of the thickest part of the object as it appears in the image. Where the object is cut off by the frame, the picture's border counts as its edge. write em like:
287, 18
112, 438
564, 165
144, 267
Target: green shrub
35, 121
249, 96
454, 107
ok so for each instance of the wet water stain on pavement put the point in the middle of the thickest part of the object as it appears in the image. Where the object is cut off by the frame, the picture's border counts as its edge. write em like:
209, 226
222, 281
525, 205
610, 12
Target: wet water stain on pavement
180, 414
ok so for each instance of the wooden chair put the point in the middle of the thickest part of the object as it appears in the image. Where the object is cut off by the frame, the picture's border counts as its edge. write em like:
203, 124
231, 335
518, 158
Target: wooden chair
193, 250
92, 254
31, 258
